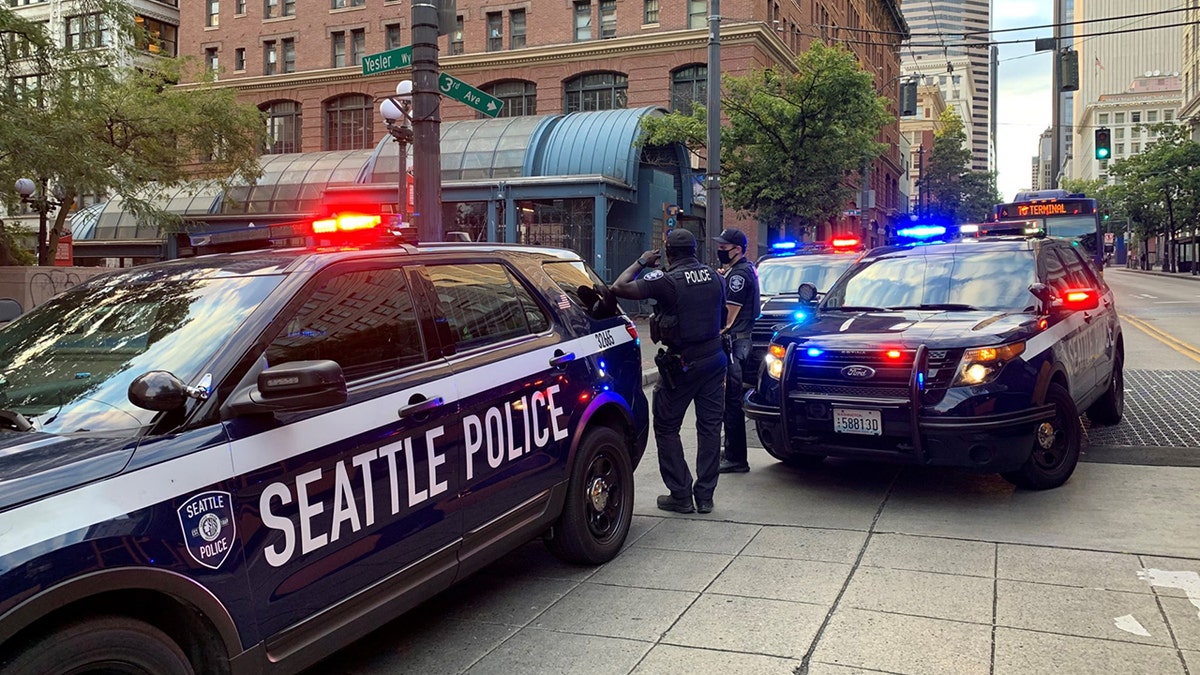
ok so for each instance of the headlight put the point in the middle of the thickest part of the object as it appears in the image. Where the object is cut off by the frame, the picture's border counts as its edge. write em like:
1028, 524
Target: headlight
774, 361
982, 364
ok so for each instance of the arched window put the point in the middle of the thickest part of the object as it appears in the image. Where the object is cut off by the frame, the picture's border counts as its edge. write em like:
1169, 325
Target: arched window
283, 125
519, 96
596, 91
349, 122
688, 85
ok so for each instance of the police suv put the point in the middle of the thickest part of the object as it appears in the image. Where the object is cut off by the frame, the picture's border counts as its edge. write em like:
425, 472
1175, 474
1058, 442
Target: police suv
979, 354
781, 273
238, 463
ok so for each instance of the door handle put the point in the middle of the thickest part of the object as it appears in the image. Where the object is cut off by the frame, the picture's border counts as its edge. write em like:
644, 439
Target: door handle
562, 360
422, 407
1087, 318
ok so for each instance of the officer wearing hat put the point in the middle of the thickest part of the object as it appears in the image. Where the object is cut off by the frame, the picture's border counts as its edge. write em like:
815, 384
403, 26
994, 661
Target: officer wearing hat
687, 320
742, 305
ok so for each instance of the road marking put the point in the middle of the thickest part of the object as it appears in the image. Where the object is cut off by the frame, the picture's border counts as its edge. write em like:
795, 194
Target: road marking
1165, 338
1131, 625
1188, 582
1176, 302
1147, 295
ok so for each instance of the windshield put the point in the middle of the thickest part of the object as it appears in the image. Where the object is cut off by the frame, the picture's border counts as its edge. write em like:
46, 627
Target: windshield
784, 275
67, 365
1067, 227
994, 281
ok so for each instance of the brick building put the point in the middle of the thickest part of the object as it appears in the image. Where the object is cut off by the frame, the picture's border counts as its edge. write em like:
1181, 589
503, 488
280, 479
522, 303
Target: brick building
299, 60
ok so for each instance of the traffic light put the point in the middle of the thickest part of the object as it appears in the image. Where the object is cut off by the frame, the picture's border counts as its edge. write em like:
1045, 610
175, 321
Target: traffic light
1107, 214
908, 98
1068, 71
1103, 143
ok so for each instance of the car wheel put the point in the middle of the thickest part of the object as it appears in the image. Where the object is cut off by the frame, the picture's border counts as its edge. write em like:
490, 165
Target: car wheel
599, 506
1055, 446
111, 645
1110, 408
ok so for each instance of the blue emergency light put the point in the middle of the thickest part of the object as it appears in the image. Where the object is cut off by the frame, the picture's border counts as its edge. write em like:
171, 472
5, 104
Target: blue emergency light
814, 352
784, 245
922, 232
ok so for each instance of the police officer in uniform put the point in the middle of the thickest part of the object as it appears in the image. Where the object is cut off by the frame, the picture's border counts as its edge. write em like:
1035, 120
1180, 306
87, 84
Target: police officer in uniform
688, 318
743, 305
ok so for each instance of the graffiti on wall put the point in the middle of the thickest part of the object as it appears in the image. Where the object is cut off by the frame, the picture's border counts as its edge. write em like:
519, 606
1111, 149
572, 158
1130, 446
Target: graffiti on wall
45, 284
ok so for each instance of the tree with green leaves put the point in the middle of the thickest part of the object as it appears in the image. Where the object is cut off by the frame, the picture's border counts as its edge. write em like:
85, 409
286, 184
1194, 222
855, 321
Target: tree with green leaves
958, 193
112, 122
792, 137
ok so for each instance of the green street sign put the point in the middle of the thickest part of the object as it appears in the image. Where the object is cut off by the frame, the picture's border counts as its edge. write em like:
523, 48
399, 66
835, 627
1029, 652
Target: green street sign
464, 93
393, 59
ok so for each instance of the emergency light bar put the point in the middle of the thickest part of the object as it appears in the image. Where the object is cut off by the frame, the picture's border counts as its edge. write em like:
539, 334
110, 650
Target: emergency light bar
844, 242
346, 223
922, 232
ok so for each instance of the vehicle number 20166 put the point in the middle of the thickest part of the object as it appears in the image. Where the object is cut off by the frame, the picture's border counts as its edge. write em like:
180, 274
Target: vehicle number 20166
605, 339
866, 422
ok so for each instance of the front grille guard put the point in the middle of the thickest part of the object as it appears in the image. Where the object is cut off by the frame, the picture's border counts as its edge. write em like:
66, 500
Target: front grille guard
915, 390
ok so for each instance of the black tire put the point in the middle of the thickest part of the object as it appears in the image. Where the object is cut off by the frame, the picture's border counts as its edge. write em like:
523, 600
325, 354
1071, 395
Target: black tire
599, 506
108, 645
1050, 467
1110, 407
795, 460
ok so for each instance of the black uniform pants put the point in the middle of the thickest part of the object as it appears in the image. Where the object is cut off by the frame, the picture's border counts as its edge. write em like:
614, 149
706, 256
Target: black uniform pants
703, 383
735, 419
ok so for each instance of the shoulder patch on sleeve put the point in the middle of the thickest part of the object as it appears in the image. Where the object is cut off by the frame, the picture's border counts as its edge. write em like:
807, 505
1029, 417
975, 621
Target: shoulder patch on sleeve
652, 275
736, 282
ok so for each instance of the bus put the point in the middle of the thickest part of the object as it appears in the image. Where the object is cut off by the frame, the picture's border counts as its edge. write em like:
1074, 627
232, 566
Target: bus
1054, 213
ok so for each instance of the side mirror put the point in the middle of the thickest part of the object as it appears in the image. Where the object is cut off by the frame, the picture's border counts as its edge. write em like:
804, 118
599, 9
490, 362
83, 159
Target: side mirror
290, 387
158, 390
1043, 293
807, 292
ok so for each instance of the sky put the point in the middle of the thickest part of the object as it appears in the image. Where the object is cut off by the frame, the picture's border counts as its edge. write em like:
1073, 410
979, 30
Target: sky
1023, 101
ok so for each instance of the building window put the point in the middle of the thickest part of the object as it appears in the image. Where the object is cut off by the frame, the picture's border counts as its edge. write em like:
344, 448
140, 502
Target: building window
289, 7
688, 85
516, 29
608, 18
270, 9
1151, 116
156, 36
338, 57
239, 7
456, 38
495, 31
1135, 117
289, 55
342, 4
1135, 148
596, 91
213, 13
358, 45
650, 11
1120, 149
239, 59
520, 97
86, 31
349, 122
28, 88
697, 13
283, 125
1168, 115
270, 59
1119, 118
391, 36
583, 20
210, 59
1120, 133
1103, 119
1135, 132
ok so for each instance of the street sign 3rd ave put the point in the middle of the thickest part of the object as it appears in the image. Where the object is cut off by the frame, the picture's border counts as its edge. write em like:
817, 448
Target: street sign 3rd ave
458, 90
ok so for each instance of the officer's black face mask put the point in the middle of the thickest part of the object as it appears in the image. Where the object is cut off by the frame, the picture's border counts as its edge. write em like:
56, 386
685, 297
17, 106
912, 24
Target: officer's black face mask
724, 256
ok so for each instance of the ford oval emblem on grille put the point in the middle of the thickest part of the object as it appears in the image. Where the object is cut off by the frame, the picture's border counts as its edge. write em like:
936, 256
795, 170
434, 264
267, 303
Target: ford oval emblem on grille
858, 372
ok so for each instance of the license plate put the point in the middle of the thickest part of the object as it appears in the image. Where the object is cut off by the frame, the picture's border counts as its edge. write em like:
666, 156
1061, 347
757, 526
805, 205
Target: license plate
865, 422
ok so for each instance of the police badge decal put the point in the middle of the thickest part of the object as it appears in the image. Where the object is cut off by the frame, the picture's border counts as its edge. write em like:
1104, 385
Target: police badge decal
736, 282
208, 527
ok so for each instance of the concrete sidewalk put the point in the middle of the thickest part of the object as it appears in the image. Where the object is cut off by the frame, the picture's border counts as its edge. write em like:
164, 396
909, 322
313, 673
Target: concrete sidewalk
850, 568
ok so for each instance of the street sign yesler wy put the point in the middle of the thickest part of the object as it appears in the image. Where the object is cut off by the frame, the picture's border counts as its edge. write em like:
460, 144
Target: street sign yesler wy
393, 59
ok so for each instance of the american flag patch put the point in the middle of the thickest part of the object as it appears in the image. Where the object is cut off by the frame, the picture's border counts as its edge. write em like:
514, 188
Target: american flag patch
563, 301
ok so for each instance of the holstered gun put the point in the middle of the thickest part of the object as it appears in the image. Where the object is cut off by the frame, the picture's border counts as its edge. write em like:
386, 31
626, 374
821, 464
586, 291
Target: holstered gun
671, 368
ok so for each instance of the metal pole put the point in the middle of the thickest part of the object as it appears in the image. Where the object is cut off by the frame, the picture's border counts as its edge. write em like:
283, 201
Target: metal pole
427, 159
713, 208
921, 176
1056, 108
42, 202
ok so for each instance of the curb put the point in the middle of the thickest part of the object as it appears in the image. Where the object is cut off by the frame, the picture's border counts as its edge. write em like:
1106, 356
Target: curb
649, 377
1157, 273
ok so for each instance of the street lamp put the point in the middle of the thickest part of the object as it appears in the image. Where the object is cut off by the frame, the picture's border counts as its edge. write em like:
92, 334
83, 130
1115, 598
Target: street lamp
43, 204
395, 112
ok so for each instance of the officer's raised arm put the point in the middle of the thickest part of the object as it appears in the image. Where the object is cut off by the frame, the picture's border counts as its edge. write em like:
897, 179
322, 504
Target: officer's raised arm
626, 285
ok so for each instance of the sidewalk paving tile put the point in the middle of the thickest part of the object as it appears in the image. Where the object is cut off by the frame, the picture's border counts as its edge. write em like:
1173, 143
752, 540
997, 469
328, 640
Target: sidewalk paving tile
1083, 612
541, 651
931, 554
1068, 567
496, 599
1184, 618
640, 526
815, 668
1186, 571
417, 644
754, 625
672, 660
1020, 652
807, 543
905, 644
633, 613
937, 596
662, 569
781, 579
1192, 659
702, 536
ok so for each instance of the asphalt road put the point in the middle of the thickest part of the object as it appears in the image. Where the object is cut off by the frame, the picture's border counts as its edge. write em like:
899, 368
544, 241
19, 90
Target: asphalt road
1161, 318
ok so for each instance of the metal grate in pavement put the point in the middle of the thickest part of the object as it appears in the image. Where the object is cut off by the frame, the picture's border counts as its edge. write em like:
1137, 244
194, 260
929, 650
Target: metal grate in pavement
1162, 409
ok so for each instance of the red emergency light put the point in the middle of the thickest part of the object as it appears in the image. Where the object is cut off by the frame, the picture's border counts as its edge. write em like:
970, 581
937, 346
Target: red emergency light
346, 222
844, 242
